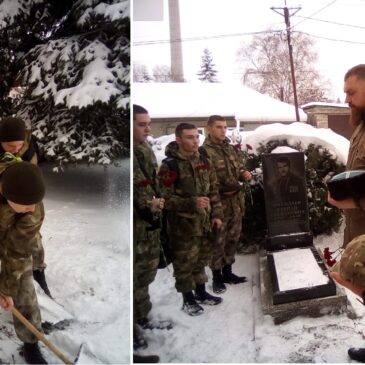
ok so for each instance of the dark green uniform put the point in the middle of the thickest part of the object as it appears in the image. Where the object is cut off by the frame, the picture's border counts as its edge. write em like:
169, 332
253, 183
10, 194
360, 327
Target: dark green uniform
146, 237
228, 166
189, 226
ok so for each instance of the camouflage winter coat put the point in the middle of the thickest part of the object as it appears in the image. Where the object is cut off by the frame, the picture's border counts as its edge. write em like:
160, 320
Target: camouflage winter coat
228, 167
18, 238
355, 218
144, 189
193, 177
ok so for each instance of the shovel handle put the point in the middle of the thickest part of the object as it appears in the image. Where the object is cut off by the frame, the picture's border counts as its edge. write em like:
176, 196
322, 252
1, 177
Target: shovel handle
39, 335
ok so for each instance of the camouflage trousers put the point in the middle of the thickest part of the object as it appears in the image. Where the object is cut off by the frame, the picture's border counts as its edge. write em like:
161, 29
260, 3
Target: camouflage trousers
26, 302
225, 245
38, 255
191, 255
146, 259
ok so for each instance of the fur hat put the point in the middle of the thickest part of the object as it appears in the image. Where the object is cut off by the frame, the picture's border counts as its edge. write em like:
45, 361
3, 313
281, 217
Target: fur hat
22, 183
12, 129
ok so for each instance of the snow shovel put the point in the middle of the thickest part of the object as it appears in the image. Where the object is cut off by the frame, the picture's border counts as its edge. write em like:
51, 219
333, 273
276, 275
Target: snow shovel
43, 338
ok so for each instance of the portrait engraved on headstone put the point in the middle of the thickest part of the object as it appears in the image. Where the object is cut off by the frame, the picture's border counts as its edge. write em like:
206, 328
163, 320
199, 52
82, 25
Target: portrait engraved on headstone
285, 193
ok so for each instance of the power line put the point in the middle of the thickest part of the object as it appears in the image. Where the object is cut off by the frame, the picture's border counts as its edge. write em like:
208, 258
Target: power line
162, 41
332, 39
316, 12
330, 22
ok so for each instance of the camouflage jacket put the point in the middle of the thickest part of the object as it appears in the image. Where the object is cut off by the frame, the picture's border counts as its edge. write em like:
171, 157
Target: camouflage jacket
180, 189
18, 237
228, 166
144, 189
355, 218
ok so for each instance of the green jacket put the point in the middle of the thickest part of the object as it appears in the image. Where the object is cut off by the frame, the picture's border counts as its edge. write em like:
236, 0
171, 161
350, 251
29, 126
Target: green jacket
144, 189
194, 177
228, 165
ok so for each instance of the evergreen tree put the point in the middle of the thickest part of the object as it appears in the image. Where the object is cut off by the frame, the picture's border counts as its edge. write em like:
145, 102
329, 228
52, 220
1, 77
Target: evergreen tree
207, 72
319, 166
72, 58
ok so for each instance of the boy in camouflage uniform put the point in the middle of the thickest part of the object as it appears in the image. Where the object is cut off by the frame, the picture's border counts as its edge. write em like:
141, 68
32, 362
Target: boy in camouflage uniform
230, 171
17, 140
193, 208
147, 209
21, 192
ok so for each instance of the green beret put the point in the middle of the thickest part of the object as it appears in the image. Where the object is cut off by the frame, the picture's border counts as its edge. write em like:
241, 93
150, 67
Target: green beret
22, 183
12, 129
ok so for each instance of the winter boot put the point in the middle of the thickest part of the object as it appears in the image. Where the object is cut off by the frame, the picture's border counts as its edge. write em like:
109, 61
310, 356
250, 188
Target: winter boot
190, 306
32, 354
202, 297
357, 354
230, 278
145, 359
139, 343
147, 324
40, 278
218, 285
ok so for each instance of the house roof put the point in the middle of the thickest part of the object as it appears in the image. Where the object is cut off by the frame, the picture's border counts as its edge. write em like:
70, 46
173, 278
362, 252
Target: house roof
184, 100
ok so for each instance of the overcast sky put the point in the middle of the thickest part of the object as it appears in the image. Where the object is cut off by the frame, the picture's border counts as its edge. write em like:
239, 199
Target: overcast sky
222, 26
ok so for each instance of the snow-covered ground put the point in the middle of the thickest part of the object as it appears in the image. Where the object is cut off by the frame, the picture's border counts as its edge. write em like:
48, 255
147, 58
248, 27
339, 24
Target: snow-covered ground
87, 246
237, 331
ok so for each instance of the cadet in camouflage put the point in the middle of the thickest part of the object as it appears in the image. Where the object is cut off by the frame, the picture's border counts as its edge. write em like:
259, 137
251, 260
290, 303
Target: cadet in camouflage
193, 208
147, 208
16, 140
231, 171
22, 214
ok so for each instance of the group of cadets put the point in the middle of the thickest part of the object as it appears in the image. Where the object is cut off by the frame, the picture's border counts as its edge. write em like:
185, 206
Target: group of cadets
22, 189
199, 190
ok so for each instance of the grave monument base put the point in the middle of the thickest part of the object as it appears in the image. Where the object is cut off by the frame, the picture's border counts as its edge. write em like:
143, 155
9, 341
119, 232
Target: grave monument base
315, 307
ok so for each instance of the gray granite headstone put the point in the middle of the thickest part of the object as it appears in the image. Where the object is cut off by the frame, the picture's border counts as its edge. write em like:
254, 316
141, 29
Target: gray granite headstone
286, 200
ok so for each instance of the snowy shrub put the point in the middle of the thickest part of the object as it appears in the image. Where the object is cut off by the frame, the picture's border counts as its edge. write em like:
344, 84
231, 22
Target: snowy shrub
319, 165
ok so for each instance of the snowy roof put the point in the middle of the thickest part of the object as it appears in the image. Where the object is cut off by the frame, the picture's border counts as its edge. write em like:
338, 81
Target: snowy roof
319, 103
198, 99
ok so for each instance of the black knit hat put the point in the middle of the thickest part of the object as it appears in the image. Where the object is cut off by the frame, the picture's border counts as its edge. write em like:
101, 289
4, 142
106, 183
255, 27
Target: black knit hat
22, 183
12, 129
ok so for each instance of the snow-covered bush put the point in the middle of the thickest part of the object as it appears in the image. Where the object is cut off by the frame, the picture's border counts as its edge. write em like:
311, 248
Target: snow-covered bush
319, 165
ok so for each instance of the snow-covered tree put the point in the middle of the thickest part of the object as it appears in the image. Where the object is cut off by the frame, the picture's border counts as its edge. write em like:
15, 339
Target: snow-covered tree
73, 59
207, 71
140, 73
266, 68
162, 73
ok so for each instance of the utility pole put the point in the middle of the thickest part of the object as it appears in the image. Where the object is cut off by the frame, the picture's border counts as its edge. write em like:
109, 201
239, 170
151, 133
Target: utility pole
287, 23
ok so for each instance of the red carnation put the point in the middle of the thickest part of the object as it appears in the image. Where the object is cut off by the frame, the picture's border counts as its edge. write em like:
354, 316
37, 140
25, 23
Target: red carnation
249, 147
144, 183
168, 177
203, 166
237, 146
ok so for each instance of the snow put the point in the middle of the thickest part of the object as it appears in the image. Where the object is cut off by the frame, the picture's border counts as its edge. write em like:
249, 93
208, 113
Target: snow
202, 99
237, 331
294, 133
297, 268
87, 247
